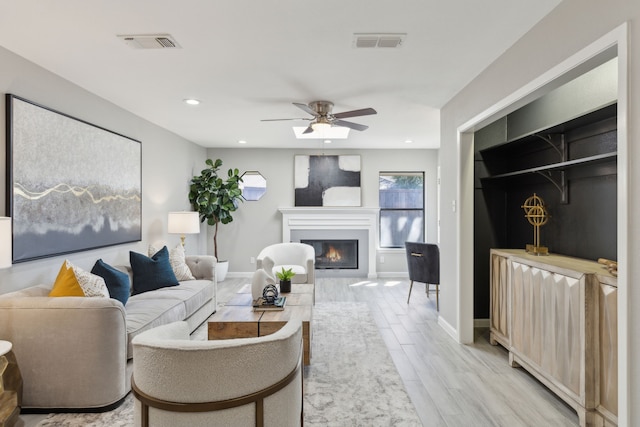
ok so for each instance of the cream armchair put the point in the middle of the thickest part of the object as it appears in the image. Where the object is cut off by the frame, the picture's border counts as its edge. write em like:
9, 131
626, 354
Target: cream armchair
300, 257
234, 382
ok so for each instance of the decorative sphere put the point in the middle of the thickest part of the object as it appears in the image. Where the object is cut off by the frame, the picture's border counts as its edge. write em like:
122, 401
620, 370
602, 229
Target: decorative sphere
270, 293
535, 211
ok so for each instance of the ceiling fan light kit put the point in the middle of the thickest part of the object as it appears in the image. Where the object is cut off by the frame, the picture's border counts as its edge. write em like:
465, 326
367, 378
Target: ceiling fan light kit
320, 125
334, 132
323, 119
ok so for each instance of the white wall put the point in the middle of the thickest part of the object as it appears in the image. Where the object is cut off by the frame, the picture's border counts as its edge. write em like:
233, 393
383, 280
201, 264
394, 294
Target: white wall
571, 27
167, 163
259, 223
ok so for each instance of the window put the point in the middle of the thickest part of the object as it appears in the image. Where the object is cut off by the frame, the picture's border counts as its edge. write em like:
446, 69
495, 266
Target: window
401, 208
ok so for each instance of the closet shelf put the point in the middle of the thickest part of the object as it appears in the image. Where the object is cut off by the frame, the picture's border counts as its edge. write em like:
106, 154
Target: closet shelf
599, 158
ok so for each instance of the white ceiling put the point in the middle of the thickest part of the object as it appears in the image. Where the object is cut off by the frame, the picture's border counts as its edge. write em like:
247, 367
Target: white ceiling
248, 60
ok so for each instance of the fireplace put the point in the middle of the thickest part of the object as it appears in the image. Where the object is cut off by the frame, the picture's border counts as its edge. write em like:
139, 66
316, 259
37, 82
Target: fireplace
337, 223
330, 254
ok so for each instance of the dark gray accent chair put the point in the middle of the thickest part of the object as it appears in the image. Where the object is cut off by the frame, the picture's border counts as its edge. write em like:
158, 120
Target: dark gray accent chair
423, 261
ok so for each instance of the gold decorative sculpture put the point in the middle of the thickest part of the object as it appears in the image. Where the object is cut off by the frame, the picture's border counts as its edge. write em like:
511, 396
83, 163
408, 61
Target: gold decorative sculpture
537, 215
10, 386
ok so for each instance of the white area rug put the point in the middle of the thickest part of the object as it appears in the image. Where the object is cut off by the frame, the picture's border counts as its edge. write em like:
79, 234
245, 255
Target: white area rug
351, 381
122, 416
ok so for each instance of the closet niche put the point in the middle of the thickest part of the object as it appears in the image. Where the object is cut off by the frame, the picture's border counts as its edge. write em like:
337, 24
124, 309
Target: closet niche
562, 147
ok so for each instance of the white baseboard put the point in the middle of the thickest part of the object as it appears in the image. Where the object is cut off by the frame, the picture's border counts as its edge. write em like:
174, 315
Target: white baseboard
448, 328
385, 274
480, 323
240, 274
392, 274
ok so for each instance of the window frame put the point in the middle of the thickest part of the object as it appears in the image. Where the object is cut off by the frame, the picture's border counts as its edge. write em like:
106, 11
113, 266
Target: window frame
382, 209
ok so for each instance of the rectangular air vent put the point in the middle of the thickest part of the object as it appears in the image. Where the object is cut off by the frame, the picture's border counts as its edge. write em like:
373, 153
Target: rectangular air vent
381, 40
150, 41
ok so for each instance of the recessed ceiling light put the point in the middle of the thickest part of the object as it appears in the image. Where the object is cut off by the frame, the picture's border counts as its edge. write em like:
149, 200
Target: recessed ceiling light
408, 141
191, 101
327, 141
242, 141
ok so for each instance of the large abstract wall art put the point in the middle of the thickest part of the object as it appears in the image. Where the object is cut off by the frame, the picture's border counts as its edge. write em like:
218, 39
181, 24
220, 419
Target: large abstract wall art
327, 180
71, 186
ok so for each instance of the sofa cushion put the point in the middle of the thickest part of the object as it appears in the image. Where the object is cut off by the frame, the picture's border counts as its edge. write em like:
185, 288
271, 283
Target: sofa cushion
151, 273
193, 293
144, 312
117, 282
66, 284
157, 307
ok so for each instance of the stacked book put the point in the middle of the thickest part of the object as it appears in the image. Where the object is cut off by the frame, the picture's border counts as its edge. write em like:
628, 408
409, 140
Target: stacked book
260, 304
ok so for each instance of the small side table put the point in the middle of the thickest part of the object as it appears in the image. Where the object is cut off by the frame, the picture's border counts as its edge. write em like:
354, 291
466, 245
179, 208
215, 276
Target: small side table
10, 386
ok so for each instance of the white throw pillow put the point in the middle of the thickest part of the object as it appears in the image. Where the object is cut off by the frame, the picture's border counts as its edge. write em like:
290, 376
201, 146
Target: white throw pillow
177, 259
91, 284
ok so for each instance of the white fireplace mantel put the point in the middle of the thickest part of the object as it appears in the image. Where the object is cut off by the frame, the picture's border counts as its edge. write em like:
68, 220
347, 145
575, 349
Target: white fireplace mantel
334, 218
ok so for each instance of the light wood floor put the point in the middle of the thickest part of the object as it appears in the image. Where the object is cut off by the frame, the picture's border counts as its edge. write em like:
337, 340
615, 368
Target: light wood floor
450, 384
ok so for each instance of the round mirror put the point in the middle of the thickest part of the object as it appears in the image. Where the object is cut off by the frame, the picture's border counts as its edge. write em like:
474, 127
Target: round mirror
253, 185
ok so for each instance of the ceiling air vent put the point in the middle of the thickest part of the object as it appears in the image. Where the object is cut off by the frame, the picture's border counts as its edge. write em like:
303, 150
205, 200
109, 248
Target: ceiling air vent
381, 40
150, 41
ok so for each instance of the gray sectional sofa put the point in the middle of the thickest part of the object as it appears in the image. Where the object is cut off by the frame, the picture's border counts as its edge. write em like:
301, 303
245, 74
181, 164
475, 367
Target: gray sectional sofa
75, 353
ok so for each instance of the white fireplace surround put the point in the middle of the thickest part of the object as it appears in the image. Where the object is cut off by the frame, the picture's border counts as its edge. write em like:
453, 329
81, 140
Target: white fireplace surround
338, 218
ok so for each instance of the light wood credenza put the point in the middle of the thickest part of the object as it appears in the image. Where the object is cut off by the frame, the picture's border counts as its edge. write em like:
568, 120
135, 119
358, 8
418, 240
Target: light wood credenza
557, 316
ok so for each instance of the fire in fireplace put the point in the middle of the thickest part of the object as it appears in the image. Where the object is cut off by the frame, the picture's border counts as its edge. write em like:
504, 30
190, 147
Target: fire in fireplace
335, 254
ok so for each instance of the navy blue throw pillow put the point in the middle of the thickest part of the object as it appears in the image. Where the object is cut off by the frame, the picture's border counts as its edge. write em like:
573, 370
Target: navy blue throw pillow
151, 273
116, 280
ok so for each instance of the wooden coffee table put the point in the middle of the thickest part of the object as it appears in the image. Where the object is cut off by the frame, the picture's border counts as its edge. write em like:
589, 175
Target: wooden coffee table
238, 320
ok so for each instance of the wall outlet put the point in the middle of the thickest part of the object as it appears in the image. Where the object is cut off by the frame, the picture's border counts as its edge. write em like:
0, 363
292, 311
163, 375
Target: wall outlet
252, 260
381, 259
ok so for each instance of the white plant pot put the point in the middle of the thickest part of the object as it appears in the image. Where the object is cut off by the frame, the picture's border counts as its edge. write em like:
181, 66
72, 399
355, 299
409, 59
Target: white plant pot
221, 270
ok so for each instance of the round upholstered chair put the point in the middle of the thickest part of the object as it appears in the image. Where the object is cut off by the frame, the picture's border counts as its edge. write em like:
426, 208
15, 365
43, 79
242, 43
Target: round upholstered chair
300, 257
234, 382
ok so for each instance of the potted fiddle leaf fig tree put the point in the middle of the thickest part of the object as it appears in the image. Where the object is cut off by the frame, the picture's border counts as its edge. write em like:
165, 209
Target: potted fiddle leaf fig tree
215, 198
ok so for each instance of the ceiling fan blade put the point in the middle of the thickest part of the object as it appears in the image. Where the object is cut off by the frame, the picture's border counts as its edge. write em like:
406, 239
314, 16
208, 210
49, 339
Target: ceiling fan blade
355, 113
308, 130
306, 108
350, 125
277, 120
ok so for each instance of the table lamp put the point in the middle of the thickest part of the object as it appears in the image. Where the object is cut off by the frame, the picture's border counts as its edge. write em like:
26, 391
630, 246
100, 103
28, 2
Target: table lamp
183, 223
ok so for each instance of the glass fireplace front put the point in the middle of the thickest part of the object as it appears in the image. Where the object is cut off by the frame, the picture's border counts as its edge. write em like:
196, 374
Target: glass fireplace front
334, 253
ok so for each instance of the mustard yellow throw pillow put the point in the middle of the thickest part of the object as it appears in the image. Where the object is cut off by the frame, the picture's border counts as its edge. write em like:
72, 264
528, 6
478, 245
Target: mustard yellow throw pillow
66, 284
72, 281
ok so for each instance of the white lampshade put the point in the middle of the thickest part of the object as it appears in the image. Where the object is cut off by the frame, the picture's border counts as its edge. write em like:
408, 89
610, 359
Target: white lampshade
184, 223
5, 242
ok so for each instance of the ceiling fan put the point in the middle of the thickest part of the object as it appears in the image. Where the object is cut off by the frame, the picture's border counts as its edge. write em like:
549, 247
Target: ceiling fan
323, 118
